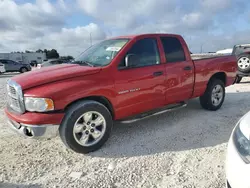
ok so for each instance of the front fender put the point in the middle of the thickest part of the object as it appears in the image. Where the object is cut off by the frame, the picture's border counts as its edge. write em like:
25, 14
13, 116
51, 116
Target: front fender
67, 91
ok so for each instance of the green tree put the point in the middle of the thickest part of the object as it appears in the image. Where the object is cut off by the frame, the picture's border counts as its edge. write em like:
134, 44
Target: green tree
39, 51
52, 54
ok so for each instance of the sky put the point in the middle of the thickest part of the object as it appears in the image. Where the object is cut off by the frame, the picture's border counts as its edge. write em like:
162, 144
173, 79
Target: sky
66, 25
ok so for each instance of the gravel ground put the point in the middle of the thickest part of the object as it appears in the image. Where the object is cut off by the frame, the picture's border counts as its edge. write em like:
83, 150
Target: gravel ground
184, 148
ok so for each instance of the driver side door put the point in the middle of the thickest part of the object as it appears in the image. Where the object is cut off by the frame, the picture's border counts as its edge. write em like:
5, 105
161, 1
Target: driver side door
140, 88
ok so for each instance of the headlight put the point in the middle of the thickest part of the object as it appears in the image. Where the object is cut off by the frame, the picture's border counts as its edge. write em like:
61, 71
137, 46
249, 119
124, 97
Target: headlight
241, 138
38, 104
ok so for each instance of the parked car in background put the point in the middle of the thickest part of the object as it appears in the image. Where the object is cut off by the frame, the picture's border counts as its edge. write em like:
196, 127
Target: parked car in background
2, 69
126, 79
13, 66
238, 155
51, 62
242, 53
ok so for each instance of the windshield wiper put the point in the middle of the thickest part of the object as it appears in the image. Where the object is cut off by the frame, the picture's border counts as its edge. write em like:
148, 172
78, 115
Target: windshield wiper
84, 62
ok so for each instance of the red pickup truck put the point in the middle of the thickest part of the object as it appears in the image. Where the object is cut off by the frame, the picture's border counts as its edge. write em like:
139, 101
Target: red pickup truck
126, 78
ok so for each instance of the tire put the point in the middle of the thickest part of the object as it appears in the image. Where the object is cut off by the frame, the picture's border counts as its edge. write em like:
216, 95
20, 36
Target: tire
244, 63
23, 70
75, 137
238, 79
208, 101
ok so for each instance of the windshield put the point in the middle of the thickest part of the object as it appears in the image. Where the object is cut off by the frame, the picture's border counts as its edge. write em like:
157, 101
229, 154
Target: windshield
102, 53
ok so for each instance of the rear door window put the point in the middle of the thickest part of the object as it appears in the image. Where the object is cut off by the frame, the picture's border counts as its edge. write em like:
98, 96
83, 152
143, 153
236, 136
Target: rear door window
173, 49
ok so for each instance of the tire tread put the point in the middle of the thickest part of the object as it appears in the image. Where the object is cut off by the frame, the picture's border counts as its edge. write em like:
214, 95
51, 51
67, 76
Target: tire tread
205, 99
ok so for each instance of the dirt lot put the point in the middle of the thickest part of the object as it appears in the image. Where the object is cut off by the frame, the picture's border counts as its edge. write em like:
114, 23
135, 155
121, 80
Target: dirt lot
185, 148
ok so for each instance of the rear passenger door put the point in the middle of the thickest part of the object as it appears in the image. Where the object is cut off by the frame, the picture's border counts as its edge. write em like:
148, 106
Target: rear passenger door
179, 71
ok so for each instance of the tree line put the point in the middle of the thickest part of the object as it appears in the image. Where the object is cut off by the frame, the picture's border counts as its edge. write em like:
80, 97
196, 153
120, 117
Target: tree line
50, 54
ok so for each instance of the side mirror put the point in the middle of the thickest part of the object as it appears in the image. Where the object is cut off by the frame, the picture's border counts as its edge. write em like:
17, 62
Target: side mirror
131, 60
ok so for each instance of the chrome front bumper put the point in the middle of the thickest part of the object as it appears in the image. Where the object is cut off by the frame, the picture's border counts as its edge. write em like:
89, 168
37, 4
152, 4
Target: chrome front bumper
34, 131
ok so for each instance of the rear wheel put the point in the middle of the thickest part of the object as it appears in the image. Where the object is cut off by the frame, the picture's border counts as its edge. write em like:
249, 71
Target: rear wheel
23, 70
244, 63
86, 126
214, 95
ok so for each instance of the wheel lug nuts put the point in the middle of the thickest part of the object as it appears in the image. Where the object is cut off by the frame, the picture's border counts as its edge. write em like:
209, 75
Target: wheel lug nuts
86, 132
92, 130
88, 123
92, 125
84, 127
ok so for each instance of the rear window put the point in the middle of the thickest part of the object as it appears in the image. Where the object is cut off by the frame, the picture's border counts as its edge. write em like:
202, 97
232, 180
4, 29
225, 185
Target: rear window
173, 49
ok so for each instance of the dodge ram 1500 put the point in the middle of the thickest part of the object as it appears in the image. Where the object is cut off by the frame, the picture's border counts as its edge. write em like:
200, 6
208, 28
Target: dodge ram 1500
126, 79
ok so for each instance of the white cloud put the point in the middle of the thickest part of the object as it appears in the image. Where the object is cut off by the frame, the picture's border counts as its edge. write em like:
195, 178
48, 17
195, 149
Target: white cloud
67, 41
196, 20
30, 26
44, 23
27, 15
128, 14
78, 38
143, 16
213, 5
202, 20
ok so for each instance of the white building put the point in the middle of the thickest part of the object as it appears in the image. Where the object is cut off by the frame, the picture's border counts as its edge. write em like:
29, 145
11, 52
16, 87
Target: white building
225, 51
24, 57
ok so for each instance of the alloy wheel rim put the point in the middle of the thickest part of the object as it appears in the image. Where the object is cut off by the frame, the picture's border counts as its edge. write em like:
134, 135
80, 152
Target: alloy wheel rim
89, 128
244, 62
217, 95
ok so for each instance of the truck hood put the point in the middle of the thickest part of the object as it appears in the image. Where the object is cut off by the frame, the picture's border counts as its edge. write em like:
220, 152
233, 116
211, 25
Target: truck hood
52, 74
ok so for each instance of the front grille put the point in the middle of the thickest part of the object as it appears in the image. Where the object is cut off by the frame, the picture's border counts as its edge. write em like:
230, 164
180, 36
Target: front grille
15, 97
12, 90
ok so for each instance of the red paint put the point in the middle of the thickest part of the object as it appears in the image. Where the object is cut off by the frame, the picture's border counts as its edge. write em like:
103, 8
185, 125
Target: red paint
36, 118
68, 83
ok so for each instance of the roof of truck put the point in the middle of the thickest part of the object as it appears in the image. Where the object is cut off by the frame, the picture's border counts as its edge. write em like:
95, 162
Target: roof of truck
145, 35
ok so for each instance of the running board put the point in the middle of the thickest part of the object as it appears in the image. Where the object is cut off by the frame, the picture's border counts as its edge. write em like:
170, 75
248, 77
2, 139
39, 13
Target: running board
154, 112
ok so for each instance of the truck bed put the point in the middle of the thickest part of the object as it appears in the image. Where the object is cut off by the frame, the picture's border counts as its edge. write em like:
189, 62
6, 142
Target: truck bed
207, 56
210, 65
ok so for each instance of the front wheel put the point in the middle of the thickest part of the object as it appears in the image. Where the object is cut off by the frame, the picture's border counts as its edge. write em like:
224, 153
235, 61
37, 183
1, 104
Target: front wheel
214, 95
86, 127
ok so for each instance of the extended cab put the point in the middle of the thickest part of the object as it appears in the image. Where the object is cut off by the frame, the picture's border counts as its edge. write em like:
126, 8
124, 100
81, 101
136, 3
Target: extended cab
125, 78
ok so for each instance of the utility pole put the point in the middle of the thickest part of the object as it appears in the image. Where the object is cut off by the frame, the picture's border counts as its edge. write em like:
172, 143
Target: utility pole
201, 48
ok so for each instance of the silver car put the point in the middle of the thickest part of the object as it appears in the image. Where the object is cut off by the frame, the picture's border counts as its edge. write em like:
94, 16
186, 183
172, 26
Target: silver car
12, 66
51, 62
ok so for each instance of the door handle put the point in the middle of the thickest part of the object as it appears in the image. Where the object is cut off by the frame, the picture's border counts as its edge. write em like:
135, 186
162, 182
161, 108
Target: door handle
159, 73
187, 68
